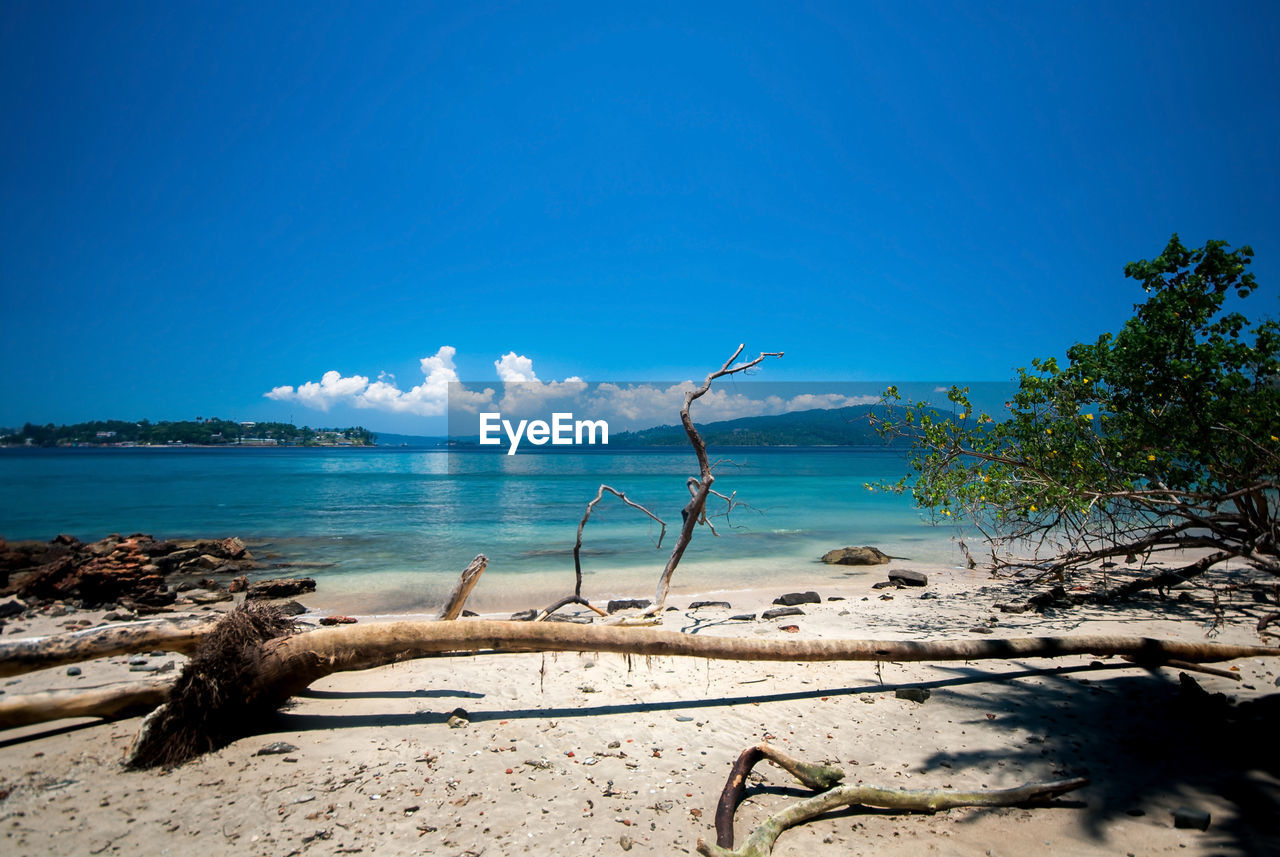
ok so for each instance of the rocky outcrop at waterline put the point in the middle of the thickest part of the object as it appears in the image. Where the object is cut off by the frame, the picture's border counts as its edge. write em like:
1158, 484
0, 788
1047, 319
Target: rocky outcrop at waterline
134, 572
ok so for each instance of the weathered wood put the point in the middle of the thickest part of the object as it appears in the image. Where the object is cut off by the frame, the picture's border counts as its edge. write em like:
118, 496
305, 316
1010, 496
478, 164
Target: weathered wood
289, 665
816, 777
23, 655
462, 590
107, 701
695, 511
761, 840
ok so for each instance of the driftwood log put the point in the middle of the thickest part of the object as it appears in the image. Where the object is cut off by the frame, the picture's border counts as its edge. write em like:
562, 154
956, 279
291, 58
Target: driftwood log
761, 840
113, 700
462, 589
36, 653
282, 666
251, 665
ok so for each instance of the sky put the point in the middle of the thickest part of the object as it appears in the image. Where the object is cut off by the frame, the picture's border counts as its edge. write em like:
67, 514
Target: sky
323, 212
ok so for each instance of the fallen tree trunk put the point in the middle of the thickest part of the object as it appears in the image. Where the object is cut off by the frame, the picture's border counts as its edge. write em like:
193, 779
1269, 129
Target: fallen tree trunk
35, 653
253, 670
107, 701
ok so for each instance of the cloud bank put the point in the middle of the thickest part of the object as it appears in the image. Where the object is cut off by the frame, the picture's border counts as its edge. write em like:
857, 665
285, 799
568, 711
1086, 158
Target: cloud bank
525, 394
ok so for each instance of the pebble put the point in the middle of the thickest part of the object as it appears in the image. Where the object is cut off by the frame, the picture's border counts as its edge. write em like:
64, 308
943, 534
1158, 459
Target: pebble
915, 694
73, 670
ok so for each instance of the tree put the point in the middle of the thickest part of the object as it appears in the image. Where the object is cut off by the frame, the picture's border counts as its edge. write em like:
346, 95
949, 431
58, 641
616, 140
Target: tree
1162, 437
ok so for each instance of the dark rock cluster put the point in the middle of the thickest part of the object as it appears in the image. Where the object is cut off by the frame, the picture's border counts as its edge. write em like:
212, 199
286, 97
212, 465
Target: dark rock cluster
132, 572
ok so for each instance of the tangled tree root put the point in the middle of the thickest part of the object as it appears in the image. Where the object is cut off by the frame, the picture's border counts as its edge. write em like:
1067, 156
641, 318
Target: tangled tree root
215, 700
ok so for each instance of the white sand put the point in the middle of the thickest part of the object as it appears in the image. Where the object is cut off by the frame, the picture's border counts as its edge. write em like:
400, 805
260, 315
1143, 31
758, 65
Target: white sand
595, 754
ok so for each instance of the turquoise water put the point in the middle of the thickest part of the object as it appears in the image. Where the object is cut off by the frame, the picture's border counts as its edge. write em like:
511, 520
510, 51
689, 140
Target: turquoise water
389, 529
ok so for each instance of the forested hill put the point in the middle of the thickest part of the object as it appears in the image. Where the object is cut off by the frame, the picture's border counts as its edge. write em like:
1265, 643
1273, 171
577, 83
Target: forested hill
823, 427
201, 432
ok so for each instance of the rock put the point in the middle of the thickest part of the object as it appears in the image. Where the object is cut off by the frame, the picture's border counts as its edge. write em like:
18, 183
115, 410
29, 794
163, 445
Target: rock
280, 587
279, 748
459, 718
627, 604
793, 598
13, 607
120, 616
698, 605
466, 614
205, 597
288, 608
233, 548
573, 620
743, 617
524, 616
1191, 819
625, 843
907, 577
239, 584
883, 584
915, 694
339, 620
73, 670
979, 629
865, 555
779, 612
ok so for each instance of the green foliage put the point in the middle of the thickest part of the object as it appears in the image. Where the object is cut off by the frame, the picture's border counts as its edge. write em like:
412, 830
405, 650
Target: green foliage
1165, 433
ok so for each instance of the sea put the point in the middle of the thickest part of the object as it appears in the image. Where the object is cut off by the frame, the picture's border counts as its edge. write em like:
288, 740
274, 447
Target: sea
387, 530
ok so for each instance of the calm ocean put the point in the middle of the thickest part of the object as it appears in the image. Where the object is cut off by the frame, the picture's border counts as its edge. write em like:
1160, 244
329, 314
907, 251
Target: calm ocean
389, 529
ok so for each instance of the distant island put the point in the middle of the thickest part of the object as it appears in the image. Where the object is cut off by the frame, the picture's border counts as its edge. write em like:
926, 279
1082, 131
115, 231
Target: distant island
199, 432
820, 427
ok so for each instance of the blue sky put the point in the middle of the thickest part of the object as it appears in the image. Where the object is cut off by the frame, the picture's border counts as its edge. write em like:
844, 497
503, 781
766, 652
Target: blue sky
203, 203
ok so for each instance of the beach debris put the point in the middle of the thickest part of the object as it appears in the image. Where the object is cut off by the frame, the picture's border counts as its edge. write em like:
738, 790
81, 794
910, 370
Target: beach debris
277, 748
524, 616
979, 629
459, 718
238, 584
251, 663
290, 608
790, 629
908, 577
699, 605
617, 604
793, 598
864, 555
779, 612
913, 694
826, 779
573, 620
338, 620
280, 587
467, 581
12, 607
1057, 596
1188, 818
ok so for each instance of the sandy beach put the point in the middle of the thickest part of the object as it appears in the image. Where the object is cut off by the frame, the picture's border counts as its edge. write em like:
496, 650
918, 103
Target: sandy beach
604, 754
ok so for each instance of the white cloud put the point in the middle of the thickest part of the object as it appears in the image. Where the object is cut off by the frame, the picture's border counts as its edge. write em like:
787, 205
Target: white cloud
321, 395
523, 392
428, 399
